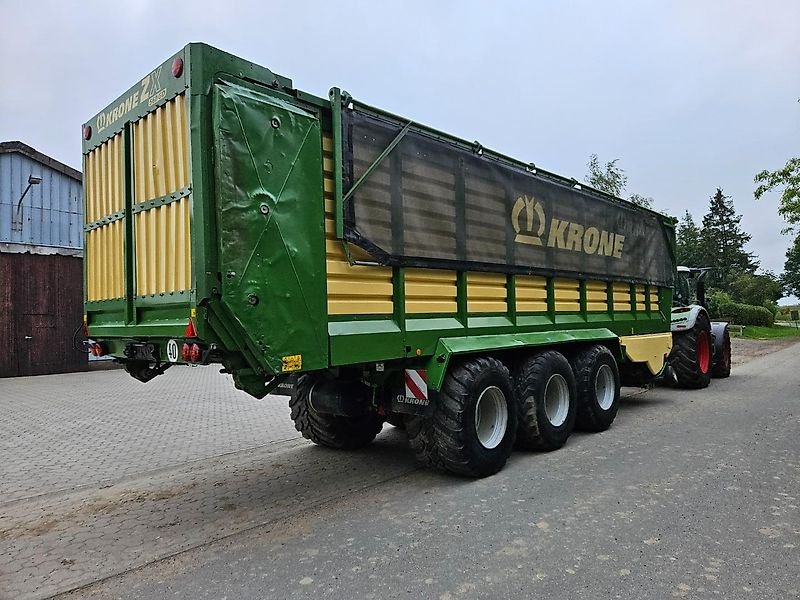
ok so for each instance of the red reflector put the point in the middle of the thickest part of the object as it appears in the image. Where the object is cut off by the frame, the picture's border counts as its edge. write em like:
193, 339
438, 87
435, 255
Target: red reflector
87, 132
177, 67
190, 330
186, 352
194, 355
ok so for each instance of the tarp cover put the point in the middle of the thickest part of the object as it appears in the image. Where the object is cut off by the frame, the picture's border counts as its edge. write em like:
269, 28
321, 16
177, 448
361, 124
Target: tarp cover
434, 203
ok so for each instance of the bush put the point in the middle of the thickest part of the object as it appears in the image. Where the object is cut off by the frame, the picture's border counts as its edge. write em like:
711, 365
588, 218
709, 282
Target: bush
746, 314
716, 300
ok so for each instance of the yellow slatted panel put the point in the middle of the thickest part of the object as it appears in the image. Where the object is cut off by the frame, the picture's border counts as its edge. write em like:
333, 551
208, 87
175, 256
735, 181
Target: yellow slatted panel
160, 150
163, 242
622, 297
531, 294
161, 167
486, 293
104, 180
105, 274
596, 296
640, 298
653, 291
352, 290
430, 291
568, 295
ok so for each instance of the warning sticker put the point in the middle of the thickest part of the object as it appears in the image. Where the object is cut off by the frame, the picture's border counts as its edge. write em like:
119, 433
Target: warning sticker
292, 363
416, 385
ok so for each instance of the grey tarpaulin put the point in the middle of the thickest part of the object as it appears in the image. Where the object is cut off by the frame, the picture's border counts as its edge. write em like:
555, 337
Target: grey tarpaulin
434, 203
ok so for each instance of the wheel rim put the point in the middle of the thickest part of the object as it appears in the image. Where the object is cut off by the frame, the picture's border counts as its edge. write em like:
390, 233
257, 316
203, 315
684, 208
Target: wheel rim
604, 387
556, 400
491, 417
703, 352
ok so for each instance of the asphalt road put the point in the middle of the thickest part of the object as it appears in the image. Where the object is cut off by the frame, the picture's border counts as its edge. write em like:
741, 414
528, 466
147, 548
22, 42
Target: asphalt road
690, 494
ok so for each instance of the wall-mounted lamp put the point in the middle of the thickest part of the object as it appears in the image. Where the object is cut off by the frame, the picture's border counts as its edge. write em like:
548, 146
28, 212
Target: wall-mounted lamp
16, 225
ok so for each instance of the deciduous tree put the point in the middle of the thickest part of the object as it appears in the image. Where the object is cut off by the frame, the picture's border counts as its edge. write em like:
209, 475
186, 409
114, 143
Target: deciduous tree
787, 181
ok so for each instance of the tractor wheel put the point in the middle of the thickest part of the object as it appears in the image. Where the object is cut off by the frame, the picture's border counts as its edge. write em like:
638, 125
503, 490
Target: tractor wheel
722, 362
342, 433
545, 391
472, 429
691, 355
597, 383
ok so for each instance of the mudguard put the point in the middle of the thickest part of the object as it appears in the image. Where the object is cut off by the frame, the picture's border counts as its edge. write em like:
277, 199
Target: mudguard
684, 317
718, 336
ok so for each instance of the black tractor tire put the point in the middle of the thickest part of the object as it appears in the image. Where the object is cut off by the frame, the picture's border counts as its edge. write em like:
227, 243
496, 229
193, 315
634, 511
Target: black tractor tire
396, 420
455, 438
722, 360
547, 414
597, 384
341, 433
691, 355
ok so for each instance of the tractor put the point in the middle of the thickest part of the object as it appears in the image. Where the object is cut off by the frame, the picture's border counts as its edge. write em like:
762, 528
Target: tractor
701, 348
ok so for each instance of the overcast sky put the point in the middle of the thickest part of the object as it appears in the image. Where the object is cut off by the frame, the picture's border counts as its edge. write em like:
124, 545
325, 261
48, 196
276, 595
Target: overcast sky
688, 95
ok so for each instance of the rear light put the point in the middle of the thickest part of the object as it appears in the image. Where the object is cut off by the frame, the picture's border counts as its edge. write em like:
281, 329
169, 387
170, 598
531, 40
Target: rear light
190, 329
177, 67
97, 349
87, 132
186, 352
194, 353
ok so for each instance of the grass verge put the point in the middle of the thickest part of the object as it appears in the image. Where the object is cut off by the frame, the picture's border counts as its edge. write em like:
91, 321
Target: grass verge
754, 332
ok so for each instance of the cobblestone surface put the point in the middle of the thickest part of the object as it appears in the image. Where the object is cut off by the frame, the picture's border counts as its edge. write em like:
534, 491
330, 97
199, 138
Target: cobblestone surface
60, 431
61, 541
101, 474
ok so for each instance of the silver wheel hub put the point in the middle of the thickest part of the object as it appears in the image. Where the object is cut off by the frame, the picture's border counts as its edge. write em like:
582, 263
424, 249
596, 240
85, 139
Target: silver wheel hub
556, 400
491, 417
604, 387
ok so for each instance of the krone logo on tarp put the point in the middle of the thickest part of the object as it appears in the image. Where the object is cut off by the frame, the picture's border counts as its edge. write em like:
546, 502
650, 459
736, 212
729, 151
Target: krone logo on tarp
531, 224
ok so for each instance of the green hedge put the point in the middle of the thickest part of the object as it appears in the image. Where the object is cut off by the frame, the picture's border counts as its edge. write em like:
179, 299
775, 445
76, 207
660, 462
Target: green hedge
746, 314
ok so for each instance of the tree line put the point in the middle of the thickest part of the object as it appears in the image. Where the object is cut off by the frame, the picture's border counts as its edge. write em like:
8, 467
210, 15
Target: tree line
719, 241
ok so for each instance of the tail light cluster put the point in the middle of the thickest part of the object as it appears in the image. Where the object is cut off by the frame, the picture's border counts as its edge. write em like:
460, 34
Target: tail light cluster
97, 349
191, 353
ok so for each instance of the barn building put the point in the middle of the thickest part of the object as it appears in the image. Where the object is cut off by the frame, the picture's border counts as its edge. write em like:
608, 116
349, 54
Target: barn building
41, 263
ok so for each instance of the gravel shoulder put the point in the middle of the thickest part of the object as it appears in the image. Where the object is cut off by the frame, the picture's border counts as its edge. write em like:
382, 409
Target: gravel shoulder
744, 350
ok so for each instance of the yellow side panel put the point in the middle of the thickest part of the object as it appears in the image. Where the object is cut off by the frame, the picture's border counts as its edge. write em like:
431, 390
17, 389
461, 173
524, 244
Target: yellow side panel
104, 180
430, 291
163, 248
568, 295
652, 349
640, 299
105, 273
596, 296
622, 297
486, 293
653, 290
161, 151
352, 289
531, 293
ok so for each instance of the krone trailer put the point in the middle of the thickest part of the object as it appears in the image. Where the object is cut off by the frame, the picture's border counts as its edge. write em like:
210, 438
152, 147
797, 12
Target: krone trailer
379, 269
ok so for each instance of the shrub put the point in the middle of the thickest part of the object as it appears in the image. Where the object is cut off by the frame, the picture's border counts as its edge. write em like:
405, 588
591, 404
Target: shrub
746, 314
716, 300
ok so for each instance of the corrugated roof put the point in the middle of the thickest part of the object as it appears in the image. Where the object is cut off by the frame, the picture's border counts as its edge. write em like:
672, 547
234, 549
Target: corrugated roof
17, 146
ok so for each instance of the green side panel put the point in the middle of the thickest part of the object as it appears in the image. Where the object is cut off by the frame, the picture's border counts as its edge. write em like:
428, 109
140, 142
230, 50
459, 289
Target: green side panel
271, 224
447, 347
